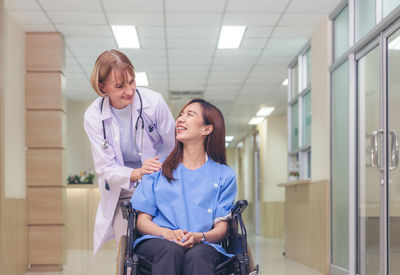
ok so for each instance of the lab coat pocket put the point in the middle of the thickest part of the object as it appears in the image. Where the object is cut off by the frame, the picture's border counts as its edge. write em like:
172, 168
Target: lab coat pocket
153, 135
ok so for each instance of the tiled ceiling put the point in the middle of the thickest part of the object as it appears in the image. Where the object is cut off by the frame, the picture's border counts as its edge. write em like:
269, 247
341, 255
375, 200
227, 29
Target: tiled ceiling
179, 46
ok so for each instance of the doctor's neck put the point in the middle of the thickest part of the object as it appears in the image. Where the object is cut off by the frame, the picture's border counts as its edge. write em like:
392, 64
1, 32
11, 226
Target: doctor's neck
194, 155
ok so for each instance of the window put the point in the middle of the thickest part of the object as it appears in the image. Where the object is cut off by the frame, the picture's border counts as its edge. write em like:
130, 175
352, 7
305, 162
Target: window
299, 114
341, 33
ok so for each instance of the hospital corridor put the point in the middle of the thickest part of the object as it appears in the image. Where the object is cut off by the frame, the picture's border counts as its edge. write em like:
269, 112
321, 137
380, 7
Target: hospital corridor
199, 137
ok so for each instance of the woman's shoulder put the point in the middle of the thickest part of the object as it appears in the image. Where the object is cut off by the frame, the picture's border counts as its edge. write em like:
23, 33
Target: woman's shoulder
225, 169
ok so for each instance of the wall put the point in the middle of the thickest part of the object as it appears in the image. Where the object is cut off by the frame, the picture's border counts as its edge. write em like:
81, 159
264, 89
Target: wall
273, 163
14, 216
78, 153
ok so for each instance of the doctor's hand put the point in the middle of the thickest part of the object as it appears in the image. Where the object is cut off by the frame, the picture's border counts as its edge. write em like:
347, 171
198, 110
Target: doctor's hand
150, 165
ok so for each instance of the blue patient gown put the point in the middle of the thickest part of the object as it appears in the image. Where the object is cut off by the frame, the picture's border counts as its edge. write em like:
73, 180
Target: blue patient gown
194, 201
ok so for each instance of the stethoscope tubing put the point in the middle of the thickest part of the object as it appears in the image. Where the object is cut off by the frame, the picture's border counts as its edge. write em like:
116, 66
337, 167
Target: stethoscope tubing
105, 144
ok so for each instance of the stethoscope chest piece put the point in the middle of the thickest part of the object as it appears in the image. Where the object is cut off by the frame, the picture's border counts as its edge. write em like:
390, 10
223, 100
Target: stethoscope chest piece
105, 144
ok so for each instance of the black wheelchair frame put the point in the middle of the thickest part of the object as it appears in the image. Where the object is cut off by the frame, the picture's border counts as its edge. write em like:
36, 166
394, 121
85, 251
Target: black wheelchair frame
235, 242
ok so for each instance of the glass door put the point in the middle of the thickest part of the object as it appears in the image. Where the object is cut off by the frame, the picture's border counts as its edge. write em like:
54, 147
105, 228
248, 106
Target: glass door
393, 126
370, 173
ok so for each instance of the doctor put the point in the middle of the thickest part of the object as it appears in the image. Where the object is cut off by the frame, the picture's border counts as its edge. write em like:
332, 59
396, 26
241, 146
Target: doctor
129, 129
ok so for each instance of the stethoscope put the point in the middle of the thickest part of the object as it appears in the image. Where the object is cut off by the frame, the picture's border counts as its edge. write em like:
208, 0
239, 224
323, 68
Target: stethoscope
105, 143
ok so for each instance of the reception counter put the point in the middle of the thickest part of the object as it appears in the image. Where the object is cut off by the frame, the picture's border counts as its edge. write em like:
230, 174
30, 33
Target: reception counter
307, 223
81, 207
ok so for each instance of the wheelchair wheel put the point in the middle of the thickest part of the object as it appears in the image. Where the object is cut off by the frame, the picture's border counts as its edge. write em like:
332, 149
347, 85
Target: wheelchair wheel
121, 256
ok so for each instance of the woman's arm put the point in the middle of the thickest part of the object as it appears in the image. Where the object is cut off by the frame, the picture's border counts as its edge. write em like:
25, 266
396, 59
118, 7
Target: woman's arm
146, 225
215, 235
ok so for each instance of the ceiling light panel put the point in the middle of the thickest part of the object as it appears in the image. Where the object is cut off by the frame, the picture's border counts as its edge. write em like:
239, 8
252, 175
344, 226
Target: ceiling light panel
126, 36
256, 120
231, 37
265, 111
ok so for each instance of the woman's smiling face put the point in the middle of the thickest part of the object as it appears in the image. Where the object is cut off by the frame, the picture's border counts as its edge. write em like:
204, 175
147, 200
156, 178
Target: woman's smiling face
190, 124
120, 93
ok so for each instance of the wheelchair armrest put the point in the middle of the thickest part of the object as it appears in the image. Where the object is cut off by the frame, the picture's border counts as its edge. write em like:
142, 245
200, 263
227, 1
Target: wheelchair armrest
239, 207
126, 208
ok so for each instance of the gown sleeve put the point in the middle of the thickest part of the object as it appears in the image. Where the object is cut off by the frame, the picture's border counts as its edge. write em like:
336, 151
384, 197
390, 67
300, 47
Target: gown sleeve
226, 197
143, 198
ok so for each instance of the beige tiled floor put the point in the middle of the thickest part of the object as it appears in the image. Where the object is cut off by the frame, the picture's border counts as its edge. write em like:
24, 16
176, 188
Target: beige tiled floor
267, 253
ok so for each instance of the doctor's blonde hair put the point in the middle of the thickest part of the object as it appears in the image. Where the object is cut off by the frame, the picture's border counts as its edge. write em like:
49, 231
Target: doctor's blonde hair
111, 61
214, 143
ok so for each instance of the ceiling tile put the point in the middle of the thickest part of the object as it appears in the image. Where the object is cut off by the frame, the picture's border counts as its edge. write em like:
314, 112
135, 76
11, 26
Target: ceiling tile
88, 52
85, 30
199, 43
258, 31
38, 27
150, 31
251, 19
21, 5
302, 19
194, 61
193, 19
152, 43
30, 17
70, 5
293, 32
191, 52
193, 32
77, 17
256, 6
233, 53
138, 6
194, 6
313, 6
93, 42
287, 43
137, 19
253, 43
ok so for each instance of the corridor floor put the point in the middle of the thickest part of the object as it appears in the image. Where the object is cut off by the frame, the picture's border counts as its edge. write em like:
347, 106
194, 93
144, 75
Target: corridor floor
267, 253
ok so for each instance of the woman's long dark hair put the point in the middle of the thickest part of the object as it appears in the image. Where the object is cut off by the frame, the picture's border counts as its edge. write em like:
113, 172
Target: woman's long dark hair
214, 143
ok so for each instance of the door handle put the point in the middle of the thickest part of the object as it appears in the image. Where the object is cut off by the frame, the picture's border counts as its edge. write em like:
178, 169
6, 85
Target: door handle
373, 150
394, 150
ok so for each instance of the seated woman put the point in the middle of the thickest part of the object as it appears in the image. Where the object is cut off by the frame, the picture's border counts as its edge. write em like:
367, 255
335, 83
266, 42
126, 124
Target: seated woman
184, 207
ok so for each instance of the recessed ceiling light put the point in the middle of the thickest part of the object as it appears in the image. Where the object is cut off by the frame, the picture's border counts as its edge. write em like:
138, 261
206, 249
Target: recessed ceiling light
126, 36
230, 37
229, 138
285, 82
256, 120
265, 111
141, 79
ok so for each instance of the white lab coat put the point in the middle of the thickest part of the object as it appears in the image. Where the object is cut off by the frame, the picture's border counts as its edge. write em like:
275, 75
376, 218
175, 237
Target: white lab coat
109, 164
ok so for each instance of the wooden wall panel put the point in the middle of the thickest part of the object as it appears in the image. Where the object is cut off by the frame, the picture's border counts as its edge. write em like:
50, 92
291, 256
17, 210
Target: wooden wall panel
45, 205
44, 167
272, 223
307, 231
45, 243
44, 90
44, 129
15, 231
44, 52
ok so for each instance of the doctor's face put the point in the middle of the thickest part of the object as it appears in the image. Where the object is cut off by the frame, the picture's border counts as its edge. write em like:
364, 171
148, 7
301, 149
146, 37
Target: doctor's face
119, 91
190, 125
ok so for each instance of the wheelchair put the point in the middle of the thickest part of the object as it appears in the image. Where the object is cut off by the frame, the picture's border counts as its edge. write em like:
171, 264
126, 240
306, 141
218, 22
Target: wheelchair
235, 242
